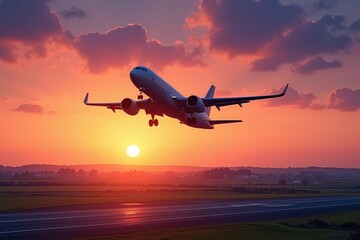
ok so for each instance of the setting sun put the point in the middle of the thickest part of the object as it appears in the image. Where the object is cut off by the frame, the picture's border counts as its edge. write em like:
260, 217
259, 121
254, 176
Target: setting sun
133, 151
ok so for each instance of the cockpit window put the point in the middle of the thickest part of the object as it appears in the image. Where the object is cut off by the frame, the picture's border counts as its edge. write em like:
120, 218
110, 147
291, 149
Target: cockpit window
141, 68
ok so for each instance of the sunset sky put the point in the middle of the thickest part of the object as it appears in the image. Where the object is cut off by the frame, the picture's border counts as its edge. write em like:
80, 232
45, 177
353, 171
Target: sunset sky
53, 52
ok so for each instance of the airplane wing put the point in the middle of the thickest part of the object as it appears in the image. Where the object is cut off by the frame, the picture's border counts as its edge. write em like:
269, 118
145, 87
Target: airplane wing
113, 106
146, 104
220, 102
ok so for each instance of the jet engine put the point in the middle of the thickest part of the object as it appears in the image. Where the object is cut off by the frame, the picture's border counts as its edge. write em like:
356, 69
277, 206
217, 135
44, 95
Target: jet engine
129, 106
195, 104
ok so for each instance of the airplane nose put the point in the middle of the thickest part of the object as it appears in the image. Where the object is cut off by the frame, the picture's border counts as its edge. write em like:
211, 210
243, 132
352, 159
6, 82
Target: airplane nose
132, 74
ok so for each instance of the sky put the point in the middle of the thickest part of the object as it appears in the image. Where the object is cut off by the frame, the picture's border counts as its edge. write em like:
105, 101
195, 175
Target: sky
53, 52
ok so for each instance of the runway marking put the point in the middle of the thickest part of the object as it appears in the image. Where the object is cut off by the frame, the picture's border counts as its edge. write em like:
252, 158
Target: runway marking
176, 218
278, 205
122, 213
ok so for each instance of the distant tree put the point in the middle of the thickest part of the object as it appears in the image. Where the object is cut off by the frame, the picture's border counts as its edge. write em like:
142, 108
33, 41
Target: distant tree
318, 223
81, 173
66, 172
244, 172
93, 173
221, 173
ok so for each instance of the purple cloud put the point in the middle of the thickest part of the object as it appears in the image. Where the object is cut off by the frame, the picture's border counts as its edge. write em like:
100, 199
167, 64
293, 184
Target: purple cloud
32, 108
279, 33
74, 12
30, 23
246, 26
308, 40
294, 98
355, 26
315, 64
123, 45
323, 5
345, 99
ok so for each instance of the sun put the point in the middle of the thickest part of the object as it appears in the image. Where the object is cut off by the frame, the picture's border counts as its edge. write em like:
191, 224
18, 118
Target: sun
133, 151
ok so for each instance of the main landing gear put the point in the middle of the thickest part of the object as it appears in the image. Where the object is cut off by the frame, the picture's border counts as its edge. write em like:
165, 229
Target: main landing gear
192, 120
140, 96
153, 122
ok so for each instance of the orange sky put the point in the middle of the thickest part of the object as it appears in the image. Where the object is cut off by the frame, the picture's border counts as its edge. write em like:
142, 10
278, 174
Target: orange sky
45, 75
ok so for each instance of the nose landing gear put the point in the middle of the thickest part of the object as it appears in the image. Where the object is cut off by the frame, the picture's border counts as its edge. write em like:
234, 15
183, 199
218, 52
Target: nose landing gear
140, 96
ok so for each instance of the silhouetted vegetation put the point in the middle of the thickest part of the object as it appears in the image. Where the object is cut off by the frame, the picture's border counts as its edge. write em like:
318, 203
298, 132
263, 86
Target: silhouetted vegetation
322, 224
318, 223
270, 190
225, 173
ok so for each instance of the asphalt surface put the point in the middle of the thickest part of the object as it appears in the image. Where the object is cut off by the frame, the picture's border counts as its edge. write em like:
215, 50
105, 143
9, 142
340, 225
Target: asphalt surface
90, 220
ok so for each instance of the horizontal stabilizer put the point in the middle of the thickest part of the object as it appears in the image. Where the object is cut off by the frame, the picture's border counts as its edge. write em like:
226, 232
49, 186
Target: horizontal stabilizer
213, 122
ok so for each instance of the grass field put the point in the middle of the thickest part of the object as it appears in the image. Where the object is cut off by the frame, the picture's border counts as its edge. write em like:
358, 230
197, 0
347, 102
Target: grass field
254, 231
15, 198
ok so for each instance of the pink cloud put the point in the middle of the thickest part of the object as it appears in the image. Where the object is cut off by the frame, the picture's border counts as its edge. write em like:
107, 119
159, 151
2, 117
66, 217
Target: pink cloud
344, 99
294, 98
223, 93
32, 108
123, 45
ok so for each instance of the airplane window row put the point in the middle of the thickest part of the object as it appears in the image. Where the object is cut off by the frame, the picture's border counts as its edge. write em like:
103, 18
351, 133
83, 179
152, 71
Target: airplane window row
141, 68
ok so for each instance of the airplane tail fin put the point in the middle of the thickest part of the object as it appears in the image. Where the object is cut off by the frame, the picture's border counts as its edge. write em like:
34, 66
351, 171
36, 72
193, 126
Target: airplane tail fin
209, 94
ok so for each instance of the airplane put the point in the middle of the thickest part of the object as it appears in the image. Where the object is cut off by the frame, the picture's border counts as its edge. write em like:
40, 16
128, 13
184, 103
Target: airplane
192, 111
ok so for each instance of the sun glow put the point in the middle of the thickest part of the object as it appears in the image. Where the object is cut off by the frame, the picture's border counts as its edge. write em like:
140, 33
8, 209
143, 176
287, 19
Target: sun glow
133, 151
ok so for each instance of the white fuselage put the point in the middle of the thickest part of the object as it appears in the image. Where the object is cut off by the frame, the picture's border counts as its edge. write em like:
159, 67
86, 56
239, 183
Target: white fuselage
164, 97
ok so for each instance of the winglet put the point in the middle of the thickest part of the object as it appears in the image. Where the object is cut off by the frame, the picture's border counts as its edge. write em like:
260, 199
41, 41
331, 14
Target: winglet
285, 90
86, 98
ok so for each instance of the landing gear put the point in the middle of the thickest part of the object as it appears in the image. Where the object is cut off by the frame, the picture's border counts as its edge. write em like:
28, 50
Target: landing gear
140, 96
192, 120
153, 121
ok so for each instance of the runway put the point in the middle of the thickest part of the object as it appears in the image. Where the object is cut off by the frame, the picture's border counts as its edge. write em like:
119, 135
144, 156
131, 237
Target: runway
66, 222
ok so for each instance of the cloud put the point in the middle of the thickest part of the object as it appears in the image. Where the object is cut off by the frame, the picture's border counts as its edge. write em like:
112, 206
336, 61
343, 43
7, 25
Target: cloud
74, 12
27, 28
246, 26
275, 33
294, 98
314, 64
223, 93
344, 99
7, 53
30, 23
308, 40
355, 26
323, 5
32, 108
123, 45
